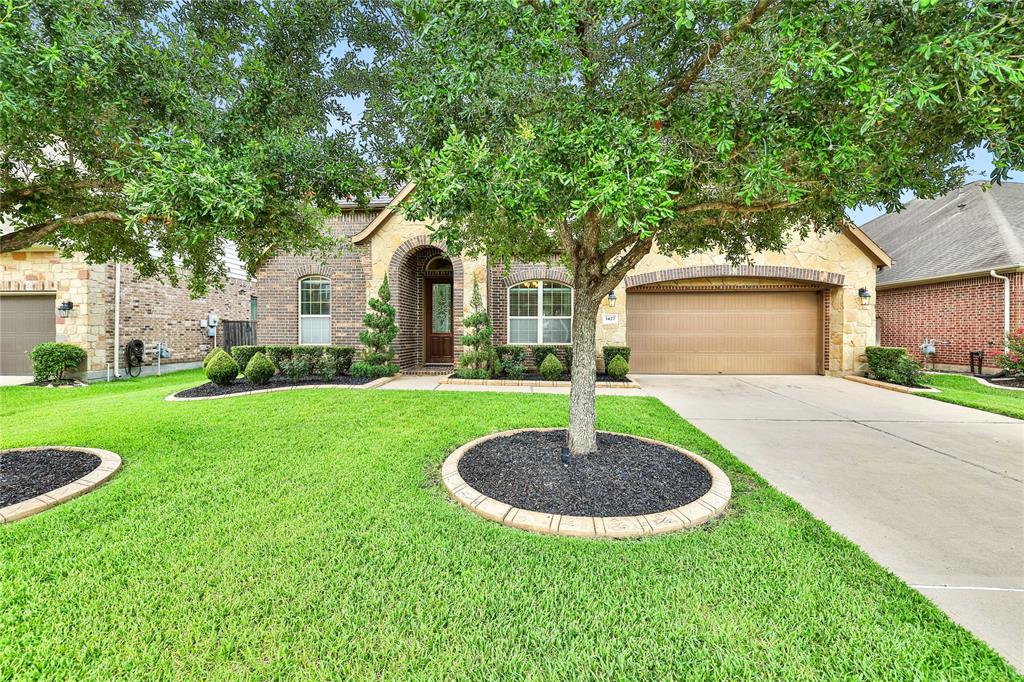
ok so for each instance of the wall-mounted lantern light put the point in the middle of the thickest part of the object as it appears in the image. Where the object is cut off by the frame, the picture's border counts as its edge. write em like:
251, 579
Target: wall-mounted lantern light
612, 298
864, 295
64, 309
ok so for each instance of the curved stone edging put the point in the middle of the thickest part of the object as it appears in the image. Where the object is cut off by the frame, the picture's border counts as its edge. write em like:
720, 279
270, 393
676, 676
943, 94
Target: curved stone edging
712, 503
372, 384
109, 463
995, 385
867, 381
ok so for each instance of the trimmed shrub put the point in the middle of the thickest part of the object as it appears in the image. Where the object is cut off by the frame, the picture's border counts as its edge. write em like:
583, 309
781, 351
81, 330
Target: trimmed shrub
609, 353
568, 359
893, 365
243, 354
540, 353
326, 367
209, 356
259, 369
381, 330
551, 368
343, 356
511, 360
296, 368
278, 354
618, 367
50, 360
478, 360
221, 369
311, 353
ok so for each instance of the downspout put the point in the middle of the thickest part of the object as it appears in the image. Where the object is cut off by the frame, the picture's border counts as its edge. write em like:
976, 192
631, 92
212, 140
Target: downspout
117, 320
1006, 309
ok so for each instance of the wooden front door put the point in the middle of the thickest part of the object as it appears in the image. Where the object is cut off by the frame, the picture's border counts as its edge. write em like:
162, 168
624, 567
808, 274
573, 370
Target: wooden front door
439, 336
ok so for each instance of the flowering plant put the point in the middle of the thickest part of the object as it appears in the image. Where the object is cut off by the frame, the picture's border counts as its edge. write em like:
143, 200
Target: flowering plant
1012, 359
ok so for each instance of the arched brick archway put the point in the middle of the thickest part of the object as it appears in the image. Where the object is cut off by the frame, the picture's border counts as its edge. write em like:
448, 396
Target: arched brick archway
406, 275
820, 277
556, 274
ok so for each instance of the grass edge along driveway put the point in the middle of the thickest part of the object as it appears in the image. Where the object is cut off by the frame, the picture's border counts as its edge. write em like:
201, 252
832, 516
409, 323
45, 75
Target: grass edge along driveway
302, 535
964, 390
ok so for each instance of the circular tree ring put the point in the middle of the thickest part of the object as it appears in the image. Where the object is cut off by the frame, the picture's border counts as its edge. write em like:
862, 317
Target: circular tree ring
705, 507
109, 462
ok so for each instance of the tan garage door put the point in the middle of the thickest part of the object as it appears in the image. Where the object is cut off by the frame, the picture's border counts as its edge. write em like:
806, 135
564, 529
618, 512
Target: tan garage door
741, 332
25, 320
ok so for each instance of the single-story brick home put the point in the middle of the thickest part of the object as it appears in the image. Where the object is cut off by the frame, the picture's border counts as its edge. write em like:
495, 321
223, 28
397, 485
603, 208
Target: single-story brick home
806, 310
957, 277
101, 307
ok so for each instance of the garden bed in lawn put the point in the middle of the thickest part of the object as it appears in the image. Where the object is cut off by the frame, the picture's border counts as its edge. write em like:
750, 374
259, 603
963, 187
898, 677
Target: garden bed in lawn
243, 385
27, 473
1005, 382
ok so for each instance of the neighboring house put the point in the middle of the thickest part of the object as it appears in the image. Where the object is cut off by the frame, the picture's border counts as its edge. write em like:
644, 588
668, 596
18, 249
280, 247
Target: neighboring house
941, 286
37, 281
796, 312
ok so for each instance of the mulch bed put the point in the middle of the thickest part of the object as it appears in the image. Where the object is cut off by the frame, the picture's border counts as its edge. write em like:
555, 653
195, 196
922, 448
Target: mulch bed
601, 378
626, 477
245, 386
1010, 382
24, 474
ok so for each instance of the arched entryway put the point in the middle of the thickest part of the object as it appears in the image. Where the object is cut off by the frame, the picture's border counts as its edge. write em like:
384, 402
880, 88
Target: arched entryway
427, 294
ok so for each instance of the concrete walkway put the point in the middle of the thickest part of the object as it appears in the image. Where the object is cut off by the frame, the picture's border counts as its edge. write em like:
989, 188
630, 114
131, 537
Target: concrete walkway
431, 383
932, 491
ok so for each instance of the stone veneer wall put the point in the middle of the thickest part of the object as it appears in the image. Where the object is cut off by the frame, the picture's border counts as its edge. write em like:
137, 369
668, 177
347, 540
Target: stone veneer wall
277, 288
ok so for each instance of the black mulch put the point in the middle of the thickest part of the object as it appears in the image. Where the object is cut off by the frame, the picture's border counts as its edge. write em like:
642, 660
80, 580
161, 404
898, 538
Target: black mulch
27, 473
244, 385
1011, 382
601, 378
625, 477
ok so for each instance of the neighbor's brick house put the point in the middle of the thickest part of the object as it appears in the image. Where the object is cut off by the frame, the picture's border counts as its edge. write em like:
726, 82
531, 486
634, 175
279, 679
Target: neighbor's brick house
796, 311
940, 286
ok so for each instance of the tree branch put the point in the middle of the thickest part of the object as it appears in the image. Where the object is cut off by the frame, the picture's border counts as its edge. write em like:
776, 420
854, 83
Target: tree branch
11, 197
691, 75
617, 246
27, 236
622, 266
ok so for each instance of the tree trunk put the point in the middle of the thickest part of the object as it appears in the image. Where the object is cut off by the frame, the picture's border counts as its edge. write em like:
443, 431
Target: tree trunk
582, 414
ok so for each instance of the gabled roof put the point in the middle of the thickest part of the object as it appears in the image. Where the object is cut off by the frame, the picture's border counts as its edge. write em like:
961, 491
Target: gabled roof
384, 215
966, 232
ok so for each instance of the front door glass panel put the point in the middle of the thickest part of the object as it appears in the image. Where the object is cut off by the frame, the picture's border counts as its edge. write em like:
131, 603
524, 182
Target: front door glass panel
441, 308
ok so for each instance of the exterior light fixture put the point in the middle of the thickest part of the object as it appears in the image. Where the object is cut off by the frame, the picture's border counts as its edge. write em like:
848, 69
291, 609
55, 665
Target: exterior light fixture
612, 298
64, 309
864, 295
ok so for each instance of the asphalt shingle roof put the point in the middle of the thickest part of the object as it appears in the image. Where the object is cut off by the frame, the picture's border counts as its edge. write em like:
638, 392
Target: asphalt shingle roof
966, 231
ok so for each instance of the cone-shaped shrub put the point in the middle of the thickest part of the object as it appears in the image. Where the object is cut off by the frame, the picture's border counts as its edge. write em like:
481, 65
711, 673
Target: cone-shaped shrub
478, 359
551, 368
381, 330
260, 369
618, 367
209, 356
221, 369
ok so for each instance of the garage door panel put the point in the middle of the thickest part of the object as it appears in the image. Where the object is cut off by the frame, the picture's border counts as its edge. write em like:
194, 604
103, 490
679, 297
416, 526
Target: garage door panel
724, 332
25, 321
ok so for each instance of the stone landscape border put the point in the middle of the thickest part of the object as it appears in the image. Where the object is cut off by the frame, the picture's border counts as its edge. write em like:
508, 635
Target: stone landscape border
889, 387
517, 382
711, 504
371, 384
109, 463
992, 384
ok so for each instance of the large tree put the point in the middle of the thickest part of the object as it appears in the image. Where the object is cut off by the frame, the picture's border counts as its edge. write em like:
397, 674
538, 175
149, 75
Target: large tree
591, 130
154, 132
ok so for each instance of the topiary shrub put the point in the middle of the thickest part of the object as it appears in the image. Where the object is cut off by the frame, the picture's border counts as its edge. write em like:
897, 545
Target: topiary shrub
343, 356
296, 368
609, 353
243, 354
618, 367
209, 356
478, 359
551, 368
540, 353
381, 330
221, 369
893, 365
50, 360
326, 367
259, 369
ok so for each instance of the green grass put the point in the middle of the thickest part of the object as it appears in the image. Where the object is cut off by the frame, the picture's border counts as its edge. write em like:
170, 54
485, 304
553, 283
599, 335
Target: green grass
302, 535
962, 390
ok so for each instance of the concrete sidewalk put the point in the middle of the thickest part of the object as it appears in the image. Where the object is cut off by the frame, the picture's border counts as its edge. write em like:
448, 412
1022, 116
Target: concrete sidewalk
932, 491
419, 382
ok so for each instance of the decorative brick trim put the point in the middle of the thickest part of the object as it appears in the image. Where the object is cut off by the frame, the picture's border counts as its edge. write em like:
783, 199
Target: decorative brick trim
711, 504
832, 279
37, 287
109, 463
304, 270
560, 275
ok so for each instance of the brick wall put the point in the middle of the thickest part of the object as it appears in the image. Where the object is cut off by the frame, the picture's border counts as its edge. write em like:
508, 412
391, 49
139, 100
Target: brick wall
277, 288
961, 316
500, 278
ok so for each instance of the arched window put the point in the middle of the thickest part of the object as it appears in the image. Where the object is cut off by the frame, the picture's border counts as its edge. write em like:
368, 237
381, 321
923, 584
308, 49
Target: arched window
540, 312
314, 310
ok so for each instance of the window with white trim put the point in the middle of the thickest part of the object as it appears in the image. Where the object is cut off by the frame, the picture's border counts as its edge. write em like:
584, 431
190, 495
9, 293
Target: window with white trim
540, 312
314, 310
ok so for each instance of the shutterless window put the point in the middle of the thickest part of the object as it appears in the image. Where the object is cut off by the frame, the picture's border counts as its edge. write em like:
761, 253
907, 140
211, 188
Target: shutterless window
315, 310
540, 312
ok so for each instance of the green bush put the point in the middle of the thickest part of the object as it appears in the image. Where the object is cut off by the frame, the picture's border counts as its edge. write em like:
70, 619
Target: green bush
297, 367
609, 353
893, 365
259, 369
326, 367
50, 360
551, 368
618, 367
343, 356
540, 353
366, 369
209, 356
568, 359
478, 360
381, 330
278, 354
243, 354
221, 369
311, 353
1012, 358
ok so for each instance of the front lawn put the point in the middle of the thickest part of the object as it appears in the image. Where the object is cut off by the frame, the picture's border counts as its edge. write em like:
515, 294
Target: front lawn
302, 535
963, 390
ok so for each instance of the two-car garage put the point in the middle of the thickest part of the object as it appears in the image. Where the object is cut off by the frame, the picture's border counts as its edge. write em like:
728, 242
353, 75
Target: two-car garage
673, 330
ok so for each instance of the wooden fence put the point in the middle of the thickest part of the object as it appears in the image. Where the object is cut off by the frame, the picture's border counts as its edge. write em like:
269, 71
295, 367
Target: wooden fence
237, 333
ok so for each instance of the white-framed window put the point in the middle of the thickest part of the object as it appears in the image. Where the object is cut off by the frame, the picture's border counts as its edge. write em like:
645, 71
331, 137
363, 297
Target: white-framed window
314, 310
540, 312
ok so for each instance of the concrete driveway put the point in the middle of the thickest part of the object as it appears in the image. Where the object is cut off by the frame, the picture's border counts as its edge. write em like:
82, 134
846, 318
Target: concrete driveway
932, 491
